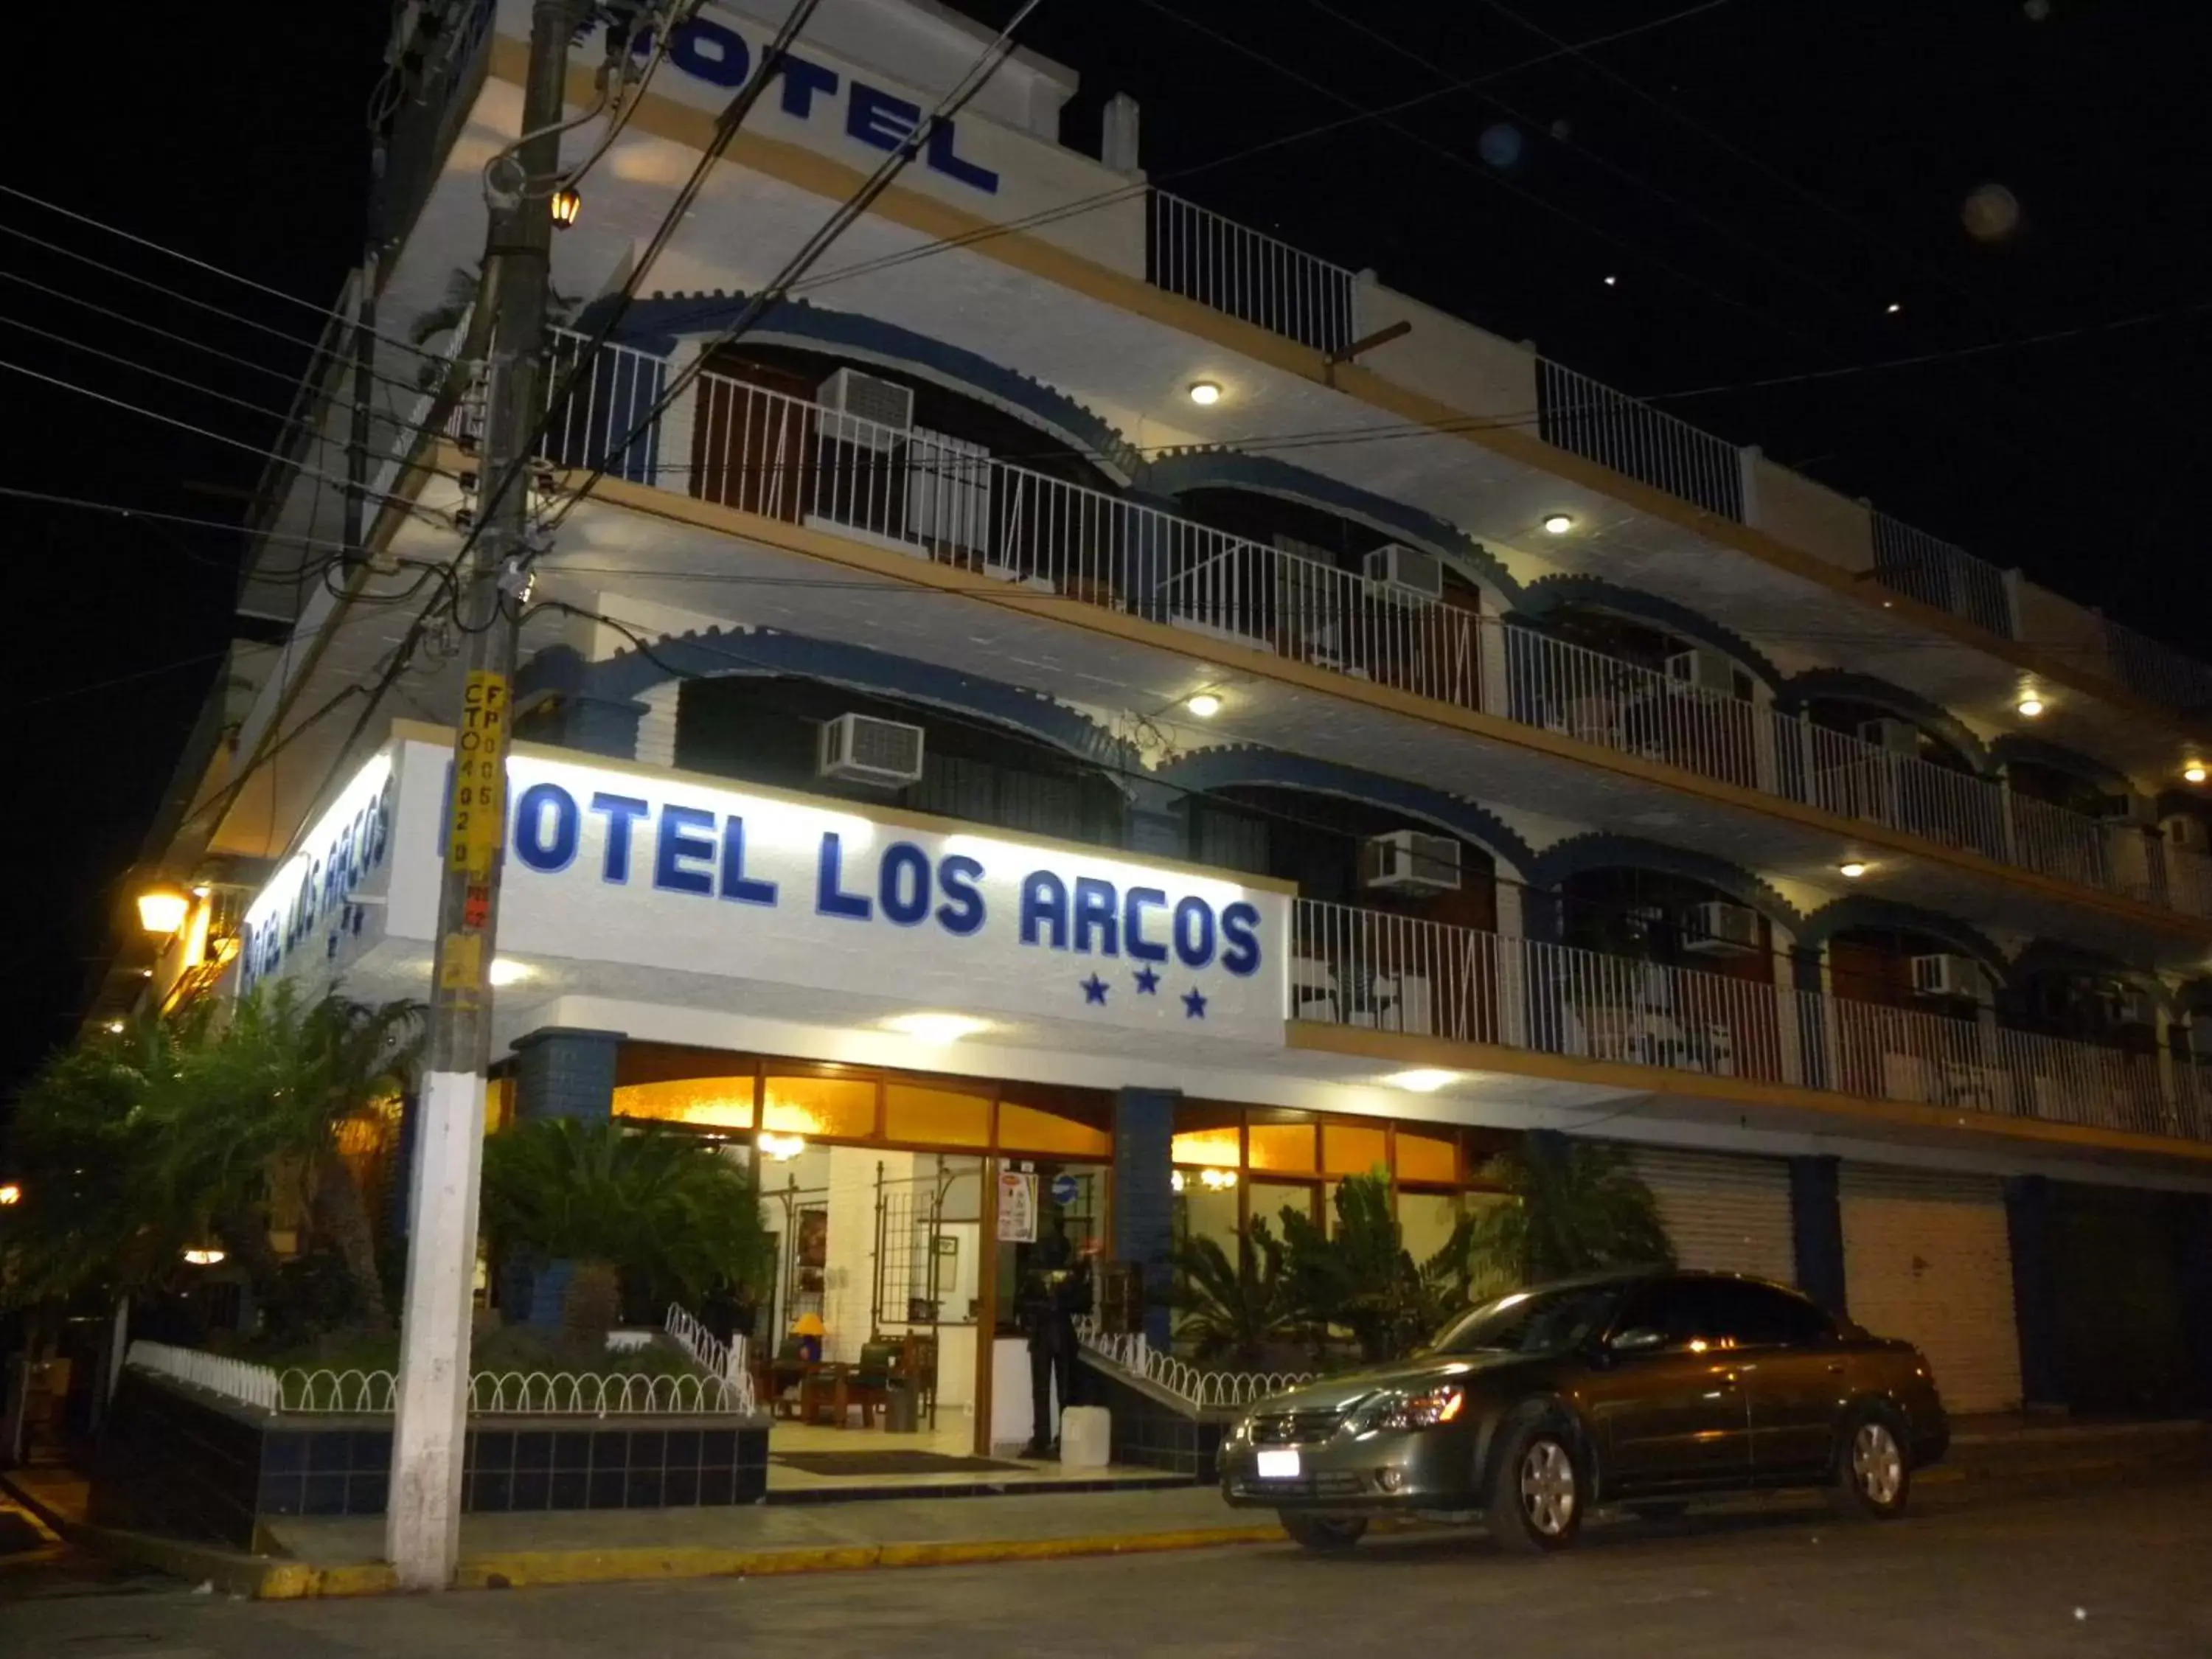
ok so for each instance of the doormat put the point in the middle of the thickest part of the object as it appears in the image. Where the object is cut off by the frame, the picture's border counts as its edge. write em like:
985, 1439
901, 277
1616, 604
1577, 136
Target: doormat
891, 1462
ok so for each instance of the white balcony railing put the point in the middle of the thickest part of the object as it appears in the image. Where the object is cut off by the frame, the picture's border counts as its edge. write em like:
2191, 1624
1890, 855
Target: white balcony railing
1247, 274
1931, 570
2158, 671
946, 502
1588, 418
1394, 973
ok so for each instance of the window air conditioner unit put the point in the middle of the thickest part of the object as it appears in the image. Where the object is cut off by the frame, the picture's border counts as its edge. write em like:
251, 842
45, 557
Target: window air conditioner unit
864, 411
1405, 574
1409, 860
861, 749
1946, 976
1719, 928
1899, 737
2188, 831
1708, 670
2134, 1008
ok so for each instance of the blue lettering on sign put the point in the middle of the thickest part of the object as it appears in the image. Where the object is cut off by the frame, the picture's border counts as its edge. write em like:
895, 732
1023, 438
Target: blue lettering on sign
678, 850
621, 811
716, 53
1134, 903
1194, 932
903, 883
546, 828
1095, 916
322, 902
1044, 905
829, 897
736, 884
962, 913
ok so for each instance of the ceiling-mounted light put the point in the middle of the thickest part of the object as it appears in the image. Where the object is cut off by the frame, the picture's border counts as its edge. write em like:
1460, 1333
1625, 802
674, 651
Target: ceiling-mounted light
1557, 524
781, 1148
2194, 772
163, 910
115, 1027
506, 971
1852, 869
1205, 705
937, 1028
1422, 1080
567, 202
2029, 705
10, 1192
1205, 393
1219, 1181
207, 1257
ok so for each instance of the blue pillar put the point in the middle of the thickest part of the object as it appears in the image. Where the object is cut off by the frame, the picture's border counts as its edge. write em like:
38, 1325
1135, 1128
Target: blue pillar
1144, 1195
2195, 1215
560, 1071
1816, 1225
2034, 1291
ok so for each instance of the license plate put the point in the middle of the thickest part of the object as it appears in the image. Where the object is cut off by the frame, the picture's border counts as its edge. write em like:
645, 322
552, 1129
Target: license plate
1279, 1466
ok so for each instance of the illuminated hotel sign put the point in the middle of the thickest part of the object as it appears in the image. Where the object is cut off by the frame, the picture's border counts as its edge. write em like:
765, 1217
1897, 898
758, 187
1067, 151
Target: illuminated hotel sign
655, 870
668, 873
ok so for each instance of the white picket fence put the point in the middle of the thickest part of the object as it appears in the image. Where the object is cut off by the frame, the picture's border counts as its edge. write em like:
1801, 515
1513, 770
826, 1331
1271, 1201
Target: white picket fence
1204, 1389
727, 1361
327, 1392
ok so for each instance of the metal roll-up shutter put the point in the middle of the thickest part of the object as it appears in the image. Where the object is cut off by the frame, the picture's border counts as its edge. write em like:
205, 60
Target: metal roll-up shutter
1927, 1257
1727, 1214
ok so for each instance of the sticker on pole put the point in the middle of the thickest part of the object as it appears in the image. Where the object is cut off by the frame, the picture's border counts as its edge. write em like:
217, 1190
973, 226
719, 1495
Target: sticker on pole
479, 777
1018, 1207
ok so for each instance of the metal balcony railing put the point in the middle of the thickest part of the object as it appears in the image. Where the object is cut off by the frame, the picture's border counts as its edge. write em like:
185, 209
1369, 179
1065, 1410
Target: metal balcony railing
2159, 672
1588, 418
1394, 973
1931, 570
938, 499
1246, 274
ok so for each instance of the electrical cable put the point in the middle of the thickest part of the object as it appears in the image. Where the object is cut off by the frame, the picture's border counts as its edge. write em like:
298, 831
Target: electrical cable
122, 679
173, 253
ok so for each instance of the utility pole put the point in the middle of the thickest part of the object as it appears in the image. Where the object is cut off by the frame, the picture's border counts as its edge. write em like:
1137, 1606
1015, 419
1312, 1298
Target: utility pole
423, 1522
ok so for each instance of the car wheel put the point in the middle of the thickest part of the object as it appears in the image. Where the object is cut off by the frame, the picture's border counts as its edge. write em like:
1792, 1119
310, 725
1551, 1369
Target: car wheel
1872, 1474
1325, 1533
1536, 1487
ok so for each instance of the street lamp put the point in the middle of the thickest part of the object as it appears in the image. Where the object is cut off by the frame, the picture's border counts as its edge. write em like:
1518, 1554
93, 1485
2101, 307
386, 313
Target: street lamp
163, 910
567, 202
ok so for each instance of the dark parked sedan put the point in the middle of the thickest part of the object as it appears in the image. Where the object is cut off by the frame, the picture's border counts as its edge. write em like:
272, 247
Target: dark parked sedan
1643, 1388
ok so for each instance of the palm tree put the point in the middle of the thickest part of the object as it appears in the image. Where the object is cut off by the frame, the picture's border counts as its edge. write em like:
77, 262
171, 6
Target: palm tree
1232, 1307
1575, 1210
278, 1094
1360, 1276
657, 1205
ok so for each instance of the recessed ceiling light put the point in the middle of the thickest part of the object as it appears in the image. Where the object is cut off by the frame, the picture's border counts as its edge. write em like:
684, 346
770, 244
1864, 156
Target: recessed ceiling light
1894, 307
1204, 393
1205, 705
1422, 1080
937, 1028
1852, 869
1613, 281
2030, 706
506, 971
2194, 772
1558, 524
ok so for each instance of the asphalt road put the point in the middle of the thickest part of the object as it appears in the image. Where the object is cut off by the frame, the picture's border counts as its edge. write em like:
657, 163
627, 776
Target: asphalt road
2103, 1562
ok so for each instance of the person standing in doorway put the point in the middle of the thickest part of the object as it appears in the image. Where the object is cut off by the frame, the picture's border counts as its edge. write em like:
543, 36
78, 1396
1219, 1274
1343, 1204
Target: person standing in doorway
1055, 1290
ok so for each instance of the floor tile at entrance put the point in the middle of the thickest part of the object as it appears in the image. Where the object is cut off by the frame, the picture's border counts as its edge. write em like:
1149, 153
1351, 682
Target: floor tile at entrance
953, 1438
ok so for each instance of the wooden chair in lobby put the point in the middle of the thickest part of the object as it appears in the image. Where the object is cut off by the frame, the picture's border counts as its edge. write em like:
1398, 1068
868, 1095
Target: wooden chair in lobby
782, 1377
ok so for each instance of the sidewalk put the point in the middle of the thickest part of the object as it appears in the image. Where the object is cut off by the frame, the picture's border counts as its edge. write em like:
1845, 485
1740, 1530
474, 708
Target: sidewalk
338, 1557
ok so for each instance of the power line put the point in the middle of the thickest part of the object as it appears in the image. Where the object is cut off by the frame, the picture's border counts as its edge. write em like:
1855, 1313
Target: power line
123, 679
202, 265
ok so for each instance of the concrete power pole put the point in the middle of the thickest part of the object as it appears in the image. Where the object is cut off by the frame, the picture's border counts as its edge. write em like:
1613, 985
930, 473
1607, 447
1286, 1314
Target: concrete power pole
423, 1520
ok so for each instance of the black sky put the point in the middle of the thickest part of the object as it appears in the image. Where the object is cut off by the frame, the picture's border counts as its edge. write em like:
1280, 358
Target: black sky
1840, 140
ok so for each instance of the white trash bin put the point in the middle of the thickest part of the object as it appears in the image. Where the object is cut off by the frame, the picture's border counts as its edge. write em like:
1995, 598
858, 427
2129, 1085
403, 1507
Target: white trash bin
1086, 1437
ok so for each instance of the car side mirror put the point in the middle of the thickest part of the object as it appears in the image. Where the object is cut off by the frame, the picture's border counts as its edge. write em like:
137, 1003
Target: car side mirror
1640, 1339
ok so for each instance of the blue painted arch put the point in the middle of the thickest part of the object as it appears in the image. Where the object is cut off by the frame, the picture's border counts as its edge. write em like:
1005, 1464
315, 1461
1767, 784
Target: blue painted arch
1252, 764
1600, 850
719, 652
1866, 910
658, 324
1930, 716
1548, 594
1177, 472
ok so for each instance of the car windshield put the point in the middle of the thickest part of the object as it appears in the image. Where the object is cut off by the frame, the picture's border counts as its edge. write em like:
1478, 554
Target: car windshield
1534, 1321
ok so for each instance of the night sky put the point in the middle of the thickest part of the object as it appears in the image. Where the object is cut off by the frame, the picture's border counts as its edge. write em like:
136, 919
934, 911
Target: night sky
1762, 179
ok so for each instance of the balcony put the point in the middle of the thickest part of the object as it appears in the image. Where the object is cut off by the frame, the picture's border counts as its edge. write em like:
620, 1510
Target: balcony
935, 499
1378, 972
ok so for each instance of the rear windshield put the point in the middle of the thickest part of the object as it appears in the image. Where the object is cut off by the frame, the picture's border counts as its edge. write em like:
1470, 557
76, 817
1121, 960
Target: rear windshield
1534, 1321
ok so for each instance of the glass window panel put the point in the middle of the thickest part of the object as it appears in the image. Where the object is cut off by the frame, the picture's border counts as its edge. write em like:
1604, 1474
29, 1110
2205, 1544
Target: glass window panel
1039, 1118
1352, 1148
1269, 1198
716, 1103
1426, 1157
937, 1116
1216, 1147
840, 1108
1425, 1221
1283, 1141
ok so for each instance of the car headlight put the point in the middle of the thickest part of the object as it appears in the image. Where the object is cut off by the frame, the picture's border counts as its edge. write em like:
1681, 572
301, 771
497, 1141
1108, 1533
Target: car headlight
1429, 1409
